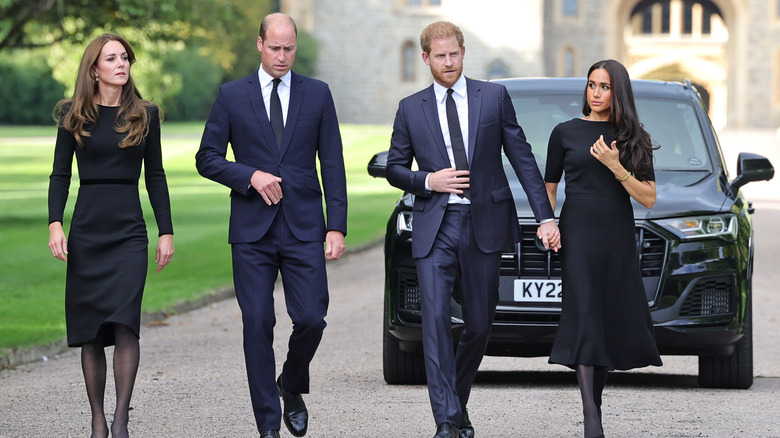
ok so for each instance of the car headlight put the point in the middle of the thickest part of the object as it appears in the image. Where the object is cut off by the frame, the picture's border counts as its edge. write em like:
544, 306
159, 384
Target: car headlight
702, 227
404, 222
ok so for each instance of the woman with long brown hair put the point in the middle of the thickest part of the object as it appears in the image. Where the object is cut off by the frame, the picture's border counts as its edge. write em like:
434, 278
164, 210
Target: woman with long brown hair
112, 131
607, 158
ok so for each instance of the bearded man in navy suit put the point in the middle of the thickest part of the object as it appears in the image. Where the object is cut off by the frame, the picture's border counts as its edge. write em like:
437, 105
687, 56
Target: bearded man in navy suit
278, 123
464, 213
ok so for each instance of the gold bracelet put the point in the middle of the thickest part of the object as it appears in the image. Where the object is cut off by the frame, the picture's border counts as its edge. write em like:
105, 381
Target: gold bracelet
624, 177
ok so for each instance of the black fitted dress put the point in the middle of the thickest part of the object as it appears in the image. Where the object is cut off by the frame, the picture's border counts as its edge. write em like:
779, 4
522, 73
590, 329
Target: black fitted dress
107, 243
605, 320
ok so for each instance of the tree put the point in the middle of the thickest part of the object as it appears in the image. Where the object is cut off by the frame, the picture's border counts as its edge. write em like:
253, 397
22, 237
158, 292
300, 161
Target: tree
26, 24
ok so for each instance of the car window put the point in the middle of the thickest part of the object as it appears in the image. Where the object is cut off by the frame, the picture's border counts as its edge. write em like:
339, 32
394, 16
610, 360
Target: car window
672, 124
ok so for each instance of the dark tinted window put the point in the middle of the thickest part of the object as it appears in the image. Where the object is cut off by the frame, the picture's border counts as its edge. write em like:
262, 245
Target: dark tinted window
672, 124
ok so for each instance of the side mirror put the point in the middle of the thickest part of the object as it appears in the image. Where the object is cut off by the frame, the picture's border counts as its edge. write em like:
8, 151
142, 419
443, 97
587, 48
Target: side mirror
377, 167
752, 167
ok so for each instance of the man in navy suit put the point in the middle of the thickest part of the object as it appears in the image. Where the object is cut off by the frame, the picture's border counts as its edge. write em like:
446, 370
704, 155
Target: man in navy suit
278, 123
464, 213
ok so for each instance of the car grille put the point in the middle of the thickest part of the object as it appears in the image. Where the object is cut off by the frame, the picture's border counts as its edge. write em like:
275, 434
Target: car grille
538, 263
709, 296
409, 293
652, 251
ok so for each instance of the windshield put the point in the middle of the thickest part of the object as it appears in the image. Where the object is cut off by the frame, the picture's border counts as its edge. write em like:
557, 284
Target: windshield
672, 124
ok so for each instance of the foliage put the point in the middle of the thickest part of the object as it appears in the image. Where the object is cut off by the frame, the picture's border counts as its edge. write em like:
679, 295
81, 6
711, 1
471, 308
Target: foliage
184, 48
200, 79
37, 23
29, 92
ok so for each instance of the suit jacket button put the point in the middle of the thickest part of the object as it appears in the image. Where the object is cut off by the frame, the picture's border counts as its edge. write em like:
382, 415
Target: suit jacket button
444, 206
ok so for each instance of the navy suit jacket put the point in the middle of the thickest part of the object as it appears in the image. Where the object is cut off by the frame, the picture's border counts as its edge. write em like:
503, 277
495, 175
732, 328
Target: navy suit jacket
239, 117
492, 125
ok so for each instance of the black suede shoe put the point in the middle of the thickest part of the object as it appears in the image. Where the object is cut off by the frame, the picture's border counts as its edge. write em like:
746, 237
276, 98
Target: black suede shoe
269, 434
466, 430
446, 430
294, 414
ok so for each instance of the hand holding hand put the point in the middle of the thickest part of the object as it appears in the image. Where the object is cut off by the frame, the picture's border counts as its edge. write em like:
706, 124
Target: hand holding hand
334, 245
550, 236
449, 181
267, 186
165, 251
58, 243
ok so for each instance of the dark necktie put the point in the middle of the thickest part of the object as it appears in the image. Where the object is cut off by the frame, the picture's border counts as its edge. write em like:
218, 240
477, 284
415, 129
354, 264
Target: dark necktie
277, 120
456, 138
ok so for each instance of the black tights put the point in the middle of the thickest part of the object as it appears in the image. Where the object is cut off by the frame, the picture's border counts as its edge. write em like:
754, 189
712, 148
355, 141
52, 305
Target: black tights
591, 380
93, 363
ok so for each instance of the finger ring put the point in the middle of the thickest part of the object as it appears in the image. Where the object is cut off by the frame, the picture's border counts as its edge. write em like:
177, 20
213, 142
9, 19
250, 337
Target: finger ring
170, 260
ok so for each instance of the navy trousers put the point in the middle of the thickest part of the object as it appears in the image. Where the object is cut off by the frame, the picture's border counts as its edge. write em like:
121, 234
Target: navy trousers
455, 255
255, 268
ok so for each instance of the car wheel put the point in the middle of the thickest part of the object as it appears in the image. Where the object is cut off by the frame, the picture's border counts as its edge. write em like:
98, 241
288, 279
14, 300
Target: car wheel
400, 367
735, 371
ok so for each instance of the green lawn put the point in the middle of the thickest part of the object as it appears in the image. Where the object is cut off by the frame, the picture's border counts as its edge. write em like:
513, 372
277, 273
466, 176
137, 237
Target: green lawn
32, 282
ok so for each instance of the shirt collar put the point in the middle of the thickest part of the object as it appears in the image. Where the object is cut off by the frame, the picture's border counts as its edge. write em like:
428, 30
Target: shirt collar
459, 88
266, 79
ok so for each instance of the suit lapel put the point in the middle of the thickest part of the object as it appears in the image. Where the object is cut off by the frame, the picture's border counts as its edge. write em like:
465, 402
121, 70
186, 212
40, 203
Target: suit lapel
475, 106
431, 112
255, 94
293, 109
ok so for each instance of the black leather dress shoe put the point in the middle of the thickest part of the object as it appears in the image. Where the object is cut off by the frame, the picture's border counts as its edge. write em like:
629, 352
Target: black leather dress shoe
446, 430
294, 414
466, 430
269, 434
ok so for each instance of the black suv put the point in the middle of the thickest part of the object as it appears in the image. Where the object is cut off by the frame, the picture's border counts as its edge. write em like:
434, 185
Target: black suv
695, 245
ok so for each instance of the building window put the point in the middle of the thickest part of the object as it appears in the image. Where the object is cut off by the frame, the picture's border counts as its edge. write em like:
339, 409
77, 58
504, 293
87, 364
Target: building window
571, 8
776, 75
422, 3
684, 17
568, 63
497, 69
408, 57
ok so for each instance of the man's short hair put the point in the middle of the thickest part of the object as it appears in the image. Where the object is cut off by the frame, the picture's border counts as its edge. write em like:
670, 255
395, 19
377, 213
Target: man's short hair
267, 22
439, 30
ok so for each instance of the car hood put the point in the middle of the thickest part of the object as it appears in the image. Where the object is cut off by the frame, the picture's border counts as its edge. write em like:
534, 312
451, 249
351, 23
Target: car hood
678, 193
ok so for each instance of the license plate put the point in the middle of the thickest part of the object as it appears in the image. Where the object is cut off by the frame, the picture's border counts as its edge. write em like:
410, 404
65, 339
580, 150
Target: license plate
535, 291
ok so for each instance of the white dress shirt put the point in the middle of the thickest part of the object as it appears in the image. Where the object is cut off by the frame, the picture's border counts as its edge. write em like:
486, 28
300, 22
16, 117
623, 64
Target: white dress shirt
460, 96
267, 85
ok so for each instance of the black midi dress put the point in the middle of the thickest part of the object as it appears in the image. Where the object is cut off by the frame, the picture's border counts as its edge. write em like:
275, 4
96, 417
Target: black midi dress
605, 319
107, 242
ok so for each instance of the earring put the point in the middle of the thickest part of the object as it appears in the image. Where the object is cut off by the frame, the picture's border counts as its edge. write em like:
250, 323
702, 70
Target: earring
97, 78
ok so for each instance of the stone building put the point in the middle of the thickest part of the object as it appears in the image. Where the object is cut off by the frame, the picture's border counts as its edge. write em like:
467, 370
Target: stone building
369, 50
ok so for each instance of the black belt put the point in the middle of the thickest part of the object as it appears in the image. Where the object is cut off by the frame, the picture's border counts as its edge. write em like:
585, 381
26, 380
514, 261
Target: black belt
122, 181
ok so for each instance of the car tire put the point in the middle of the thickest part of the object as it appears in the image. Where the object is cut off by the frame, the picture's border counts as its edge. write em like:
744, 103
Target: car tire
734, 371
400, 367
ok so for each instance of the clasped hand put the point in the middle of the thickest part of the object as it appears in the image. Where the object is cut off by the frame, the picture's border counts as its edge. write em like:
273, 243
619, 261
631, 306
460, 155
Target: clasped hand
550, 235
449, 180
267, 186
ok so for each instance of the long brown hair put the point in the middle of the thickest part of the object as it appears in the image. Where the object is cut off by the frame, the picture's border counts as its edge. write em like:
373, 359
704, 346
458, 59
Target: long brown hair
636, 147
79, 112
